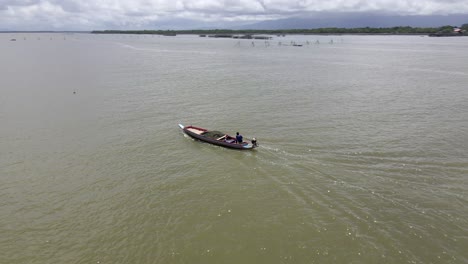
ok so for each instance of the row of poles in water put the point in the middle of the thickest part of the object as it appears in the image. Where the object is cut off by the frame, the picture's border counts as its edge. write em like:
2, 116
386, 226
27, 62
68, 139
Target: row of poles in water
39, 38
93, 37
266, 43
292, 43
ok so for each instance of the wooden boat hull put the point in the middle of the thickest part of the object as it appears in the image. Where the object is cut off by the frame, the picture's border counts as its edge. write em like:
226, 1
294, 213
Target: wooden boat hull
228, 142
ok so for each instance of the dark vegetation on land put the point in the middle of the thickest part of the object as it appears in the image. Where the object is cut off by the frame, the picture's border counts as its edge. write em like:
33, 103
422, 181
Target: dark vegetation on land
445, 30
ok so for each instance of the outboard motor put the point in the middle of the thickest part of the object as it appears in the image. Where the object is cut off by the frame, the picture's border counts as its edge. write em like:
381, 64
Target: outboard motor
254, 142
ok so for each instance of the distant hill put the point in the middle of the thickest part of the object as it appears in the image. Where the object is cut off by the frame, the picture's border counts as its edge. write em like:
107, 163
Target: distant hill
358, 20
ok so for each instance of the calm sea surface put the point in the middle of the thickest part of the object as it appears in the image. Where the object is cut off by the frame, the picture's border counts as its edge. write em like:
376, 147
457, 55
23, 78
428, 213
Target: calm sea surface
363, 153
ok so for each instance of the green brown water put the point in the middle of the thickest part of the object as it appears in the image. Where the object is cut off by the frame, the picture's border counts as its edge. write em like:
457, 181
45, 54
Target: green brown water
363, 156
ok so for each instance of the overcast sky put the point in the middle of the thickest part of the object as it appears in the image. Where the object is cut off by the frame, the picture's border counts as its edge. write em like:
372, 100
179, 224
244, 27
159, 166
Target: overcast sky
149, 14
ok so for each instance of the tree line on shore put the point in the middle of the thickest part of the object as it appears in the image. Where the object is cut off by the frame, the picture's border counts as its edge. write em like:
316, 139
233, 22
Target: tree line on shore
406, 30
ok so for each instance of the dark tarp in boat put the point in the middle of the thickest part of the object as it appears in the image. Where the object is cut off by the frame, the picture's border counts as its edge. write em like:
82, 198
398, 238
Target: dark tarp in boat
213, 134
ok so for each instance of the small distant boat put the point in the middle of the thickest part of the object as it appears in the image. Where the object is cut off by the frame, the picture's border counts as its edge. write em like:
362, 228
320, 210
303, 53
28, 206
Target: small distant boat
12, 39
217, 138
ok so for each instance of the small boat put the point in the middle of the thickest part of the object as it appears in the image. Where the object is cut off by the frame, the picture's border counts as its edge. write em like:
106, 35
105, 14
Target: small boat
217, 138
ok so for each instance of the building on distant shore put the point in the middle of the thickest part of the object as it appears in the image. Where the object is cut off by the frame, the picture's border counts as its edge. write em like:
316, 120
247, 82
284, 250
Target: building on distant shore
450, 32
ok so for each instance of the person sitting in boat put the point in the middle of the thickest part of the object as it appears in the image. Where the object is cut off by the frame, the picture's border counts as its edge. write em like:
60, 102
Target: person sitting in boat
239, 138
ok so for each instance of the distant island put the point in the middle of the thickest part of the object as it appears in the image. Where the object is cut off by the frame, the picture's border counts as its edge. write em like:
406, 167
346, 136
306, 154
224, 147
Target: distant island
438, 32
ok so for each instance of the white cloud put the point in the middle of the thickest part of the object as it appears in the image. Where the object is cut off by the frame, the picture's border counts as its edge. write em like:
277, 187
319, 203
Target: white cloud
100, 14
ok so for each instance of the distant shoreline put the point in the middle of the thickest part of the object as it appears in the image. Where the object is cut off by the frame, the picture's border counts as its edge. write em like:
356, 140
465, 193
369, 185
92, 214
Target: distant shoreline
439, 31
316, 31
269, 32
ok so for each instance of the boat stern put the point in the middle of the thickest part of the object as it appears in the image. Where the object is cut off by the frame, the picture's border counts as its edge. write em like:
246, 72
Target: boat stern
251, 145
248, 146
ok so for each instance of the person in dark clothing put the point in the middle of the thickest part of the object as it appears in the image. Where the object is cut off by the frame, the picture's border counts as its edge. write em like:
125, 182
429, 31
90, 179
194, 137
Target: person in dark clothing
238, 138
